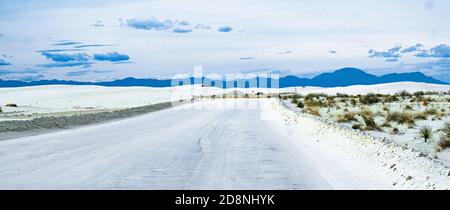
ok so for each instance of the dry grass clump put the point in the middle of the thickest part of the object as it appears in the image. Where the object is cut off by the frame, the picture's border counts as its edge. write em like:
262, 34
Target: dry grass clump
419, 94
369, 99
342, 95
347, 117
404, 94
446, 130
431, 112
368, 118
313, 110
389, 98
400, 118
408, 107
295, 98
316, 96
444, 141
421, 116
310, 102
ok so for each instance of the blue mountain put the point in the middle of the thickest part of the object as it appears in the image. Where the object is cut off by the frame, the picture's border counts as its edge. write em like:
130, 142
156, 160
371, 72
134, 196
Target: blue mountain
340, 78
352, 76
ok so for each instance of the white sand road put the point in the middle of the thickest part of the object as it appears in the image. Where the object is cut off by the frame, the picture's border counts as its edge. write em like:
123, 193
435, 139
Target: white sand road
240, 144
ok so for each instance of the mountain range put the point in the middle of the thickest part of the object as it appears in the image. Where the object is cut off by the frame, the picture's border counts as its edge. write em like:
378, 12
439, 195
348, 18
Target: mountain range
339, 78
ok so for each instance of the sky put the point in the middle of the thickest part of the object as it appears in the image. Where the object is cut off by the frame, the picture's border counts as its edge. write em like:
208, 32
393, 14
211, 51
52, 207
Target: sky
98, 40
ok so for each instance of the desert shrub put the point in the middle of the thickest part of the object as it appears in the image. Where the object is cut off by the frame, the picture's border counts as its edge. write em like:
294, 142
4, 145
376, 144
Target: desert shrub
431, 112
395, 131
329, 102
296, 96
369, 99
342, 95
390, 98
300, 104
408, 107
446, 130
404, 93
424, 99
386, 124
419, 93
353, 102
444, 143
356, 126
421, 116
431, 93
315, 95
314, 110
347, 117
314, 103
400, 118
426, 133
368, 118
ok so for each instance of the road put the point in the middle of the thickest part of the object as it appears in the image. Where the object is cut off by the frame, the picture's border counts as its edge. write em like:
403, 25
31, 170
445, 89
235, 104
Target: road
207, 145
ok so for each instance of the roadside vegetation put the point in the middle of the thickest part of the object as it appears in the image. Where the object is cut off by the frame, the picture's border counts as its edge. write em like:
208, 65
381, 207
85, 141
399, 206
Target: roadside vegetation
390, 115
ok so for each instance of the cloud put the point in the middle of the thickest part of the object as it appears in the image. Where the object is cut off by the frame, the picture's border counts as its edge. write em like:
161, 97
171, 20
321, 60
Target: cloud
266, 71
168, 25
184, 23
27, 71
225, 29
113, 57
429, 5
182, 30
82, 64
247, 58
201, 26
66, 42
332, 51
390, 60
150, 24
4, 63
59, 50
440, 51
412, 48
391, 53
26, 75
92, 45
285, 52
423, 54
98, 23
84, 72
62, 57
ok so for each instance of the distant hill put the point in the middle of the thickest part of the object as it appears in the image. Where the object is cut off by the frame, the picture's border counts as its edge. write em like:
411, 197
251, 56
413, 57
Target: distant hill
339, 78
351, 76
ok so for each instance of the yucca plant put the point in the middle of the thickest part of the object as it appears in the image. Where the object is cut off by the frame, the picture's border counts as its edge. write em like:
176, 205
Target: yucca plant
446, 129
426, 133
